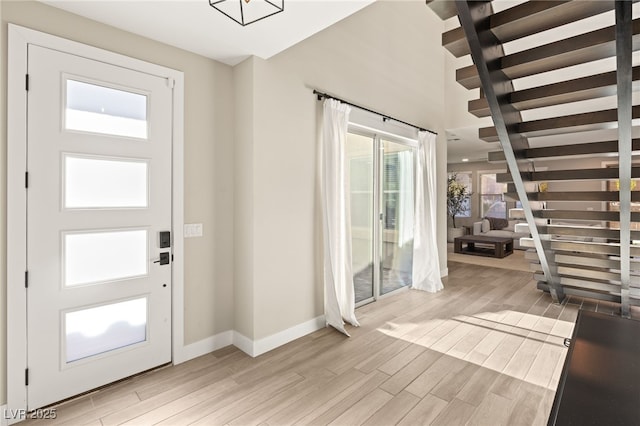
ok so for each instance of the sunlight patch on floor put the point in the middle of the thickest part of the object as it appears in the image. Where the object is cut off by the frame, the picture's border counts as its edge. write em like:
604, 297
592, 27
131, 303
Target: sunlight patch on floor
524, 346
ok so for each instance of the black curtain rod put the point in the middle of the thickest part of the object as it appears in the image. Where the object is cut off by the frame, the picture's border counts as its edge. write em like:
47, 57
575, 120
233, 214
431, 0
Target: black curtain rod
384, 117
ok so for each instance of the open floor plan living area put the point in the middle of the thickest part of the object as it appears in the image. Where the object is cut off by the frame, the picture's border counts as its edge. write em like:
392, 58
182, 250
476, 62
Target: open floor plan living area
313, 212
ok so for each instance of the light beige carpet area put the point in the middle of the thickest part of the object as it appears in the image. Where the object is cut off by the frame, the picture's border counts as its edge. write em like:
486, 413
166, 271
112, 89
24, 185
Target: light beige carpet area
515, 261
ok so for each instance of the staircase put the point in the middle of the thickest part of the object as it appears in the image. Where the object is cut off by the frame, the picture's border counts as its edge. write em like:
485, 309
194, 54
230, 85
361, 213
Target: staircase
555, 102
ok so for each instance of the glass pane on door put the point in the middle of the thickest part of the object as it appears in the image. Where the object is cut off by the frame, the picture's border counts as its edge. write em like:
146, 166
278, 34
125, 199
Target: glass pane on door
360, 166
397, 206
95, 257
101, 329
103, 183
99, 109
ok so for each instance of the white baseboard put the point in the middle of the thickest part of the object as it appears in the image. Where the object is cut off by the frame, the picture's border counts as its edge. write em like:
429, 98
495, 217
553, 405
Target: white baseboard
204, 346
243, 343
276, 340
444, 272
246, 345
256, 348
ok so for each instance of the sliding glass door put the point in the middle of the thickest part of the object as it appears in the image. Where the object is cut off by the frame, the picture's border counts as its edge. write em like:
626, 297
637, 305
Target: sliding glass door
362, 187
381, 187
396, 245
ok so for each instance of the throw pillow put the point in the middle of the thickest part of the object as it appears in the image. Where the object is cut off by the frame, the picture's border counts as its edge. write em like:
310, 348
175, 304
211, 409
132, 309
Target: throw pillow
498, 223
486, 225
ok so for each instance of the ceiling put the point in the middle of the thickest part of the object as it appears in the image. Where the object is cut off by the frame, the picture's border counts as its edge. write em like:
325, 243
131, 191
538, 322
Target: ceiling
195, 26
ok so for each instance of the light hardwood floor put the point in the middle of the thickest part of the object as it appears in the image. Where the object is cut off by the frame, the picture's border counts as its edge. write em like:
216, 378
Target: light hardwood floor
487, 350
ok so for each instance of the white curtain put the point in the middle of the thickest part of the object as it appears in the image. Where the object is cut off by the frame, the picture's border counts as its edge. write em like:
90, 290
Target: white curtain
339, 297
405, 208
426, 264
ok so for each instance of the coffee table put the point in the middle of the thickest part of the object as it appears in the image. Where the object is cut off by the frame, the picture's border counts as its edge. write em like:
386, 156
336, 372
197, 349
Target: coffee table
483, 245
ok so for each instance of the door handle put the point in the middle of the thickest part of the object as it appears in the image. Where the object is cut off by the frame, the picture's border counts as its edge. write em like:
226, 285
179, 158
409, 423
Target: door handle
164, 258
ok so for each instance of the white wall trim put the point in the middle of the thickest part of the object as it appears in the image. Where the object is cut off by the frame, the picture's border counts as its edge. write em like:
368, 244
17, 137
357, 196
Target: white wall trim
19, 39
444, 272
177, 219
248, 346
256, 348
243, 343
206, 346
16, 220
283, 337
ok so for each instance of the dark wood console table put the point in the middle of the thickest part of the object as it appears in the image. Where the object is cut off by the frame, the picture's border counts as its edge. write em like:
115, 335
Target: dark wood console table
489, 246
600, 381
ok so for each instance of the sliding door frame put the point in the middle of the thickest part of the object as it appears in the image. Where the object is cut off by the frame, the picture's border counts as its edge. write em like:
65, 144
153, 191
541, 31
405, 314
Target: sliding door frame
377, 137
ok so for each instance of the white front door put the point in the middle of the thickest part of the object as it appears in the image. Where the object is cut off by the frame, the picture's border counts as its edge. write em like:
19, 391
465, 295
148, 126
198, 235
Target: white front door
98, 201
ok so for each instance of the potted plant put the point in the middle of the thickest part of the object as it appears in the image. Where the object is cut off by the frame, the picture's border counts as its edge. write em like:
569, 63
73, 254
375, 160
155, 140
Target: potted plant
457, 196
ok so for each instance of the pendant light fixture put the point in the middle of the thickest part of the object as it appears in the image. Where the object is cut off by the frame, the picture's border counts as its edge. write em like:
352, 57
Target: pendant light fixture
246, 12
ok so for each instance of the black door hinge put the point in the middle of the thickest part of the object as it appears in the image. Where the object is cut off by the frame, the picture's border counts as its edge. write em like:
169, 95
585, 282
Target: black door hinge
26, 377
26, 82
26, 279
26, 179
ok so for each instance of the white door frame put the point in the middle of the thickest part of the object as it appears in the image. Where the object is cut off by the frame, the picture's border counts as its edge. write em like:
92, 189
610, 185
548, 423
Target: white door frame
19, 39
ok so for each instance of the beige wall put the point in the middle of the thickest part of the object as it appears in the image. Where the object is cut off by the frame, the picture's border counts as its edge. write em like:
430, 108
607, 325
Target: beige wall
457, 113
387, 57
209, 136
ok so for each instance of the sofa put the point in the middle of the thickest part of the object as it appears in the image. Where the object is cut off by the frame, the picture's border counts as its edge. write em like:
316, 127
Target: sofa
497, 227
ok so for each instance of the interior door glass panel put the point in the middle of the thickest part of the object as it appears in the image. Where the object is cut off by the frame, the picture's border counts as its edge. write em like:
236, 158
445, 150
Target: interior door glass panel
105, 183
101, 329
96, 257
105, 110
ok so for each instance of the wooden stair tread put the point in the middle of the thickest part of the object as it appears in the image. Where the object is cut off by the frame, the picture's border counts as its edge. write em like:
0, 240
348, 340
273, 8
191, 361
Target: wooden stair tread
526, 19
573, 196
585, 231
588, 283
594, 274
579, 89
590, 247
445, 9
610, 297
580, 49
583, 215
596, 120
585, 283
564, 175
597, 262
580, 149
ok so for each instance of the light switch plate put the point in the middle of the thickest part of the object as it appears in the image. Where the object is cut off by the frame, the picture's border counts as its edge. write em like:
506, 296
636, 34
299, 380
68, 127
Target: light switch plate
192, 230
